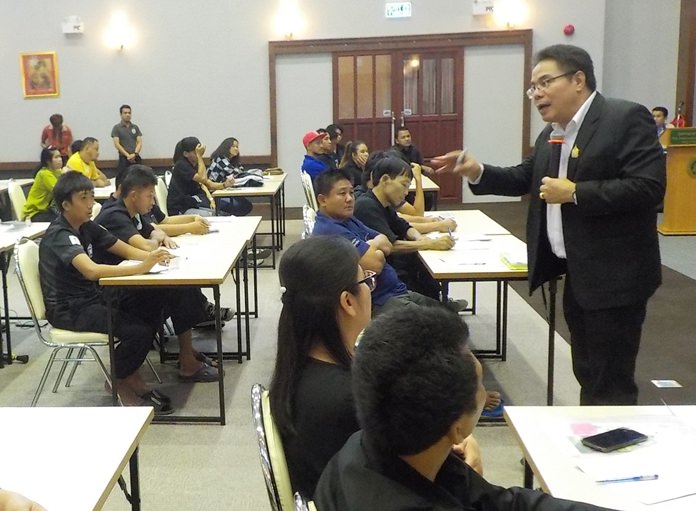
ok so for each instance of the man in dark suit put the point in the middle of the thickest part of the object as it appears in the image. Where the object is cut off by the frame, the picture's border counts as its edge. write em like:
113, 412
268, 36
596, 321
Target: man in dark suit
592, 218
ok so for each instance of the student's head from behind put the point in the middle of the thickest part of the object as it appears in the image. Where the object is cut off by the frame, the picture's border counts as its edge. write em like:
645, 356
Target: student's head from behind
56, 120
89, 150
186, 149
228, 148
326, 303
51, 159
402, 137
415, 382
391, 177
335, 132
660, 115
126, 112
562, 80
76, 146
138, 188
74, 196
314, 142
335, 195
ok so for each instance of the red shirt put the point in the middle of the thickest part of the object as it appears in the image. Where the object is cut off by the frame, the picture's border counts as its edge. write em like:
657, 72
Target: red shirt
62, 144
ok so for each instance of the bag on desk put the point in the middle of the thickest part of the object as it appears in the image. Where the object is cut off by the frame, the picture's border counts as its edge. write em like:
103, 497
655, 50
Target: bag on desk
248, 178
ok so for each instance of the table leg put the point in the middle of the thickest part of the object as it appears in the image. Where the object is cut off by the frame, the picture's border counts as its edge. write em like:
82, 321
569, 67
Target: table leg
552, 341
110, 297
274, 242
135, 481
504, 321
247, 333
498, 318
238, 297
256, 275
218, 338
528, 475
5, 262
282, 212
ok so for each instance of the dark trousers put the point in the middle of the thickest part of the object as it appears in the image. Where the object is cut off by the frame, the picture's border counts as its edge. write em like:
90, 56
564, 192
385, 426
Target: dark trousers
415, 275
45, 216
604, 345
408, 300
133, 329
123, 162
237, 206
185, 305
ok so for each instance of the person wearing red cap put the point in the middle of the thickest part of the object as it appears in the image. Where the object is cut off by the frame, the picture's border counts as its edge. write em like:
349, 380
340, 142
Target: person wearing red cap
313, 164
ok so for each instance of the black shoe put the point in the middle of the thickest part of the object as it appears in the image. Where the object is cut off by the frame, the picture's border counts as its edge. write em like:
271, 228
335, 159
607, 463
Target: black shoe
261, 253
226, 314
456, 305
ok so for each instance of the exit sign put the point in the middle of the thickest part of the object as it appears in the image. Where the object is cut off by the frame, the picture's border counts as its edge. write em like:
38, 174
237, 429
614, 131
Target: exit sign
397, 10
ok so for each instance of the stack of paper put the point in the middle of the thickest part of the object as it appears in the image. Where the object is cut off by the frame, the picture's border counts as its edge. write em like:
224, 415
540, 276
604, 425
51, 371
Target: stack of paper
515, 259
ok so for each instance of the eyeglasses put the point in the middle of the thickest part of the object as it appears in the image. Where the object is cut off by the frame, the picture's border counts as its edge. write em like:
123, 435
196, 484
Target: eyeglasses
370, 280
544, 84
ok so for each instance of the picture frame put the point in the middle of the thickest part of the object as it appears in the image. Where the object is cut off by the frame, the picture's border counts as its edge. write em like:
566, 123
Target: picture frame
39, 72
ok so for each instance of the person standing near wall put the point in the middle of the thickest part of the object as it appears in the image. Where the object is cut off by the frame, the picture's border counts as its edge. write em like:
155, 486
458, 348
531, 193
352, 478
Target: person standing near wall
57, 135
127, 138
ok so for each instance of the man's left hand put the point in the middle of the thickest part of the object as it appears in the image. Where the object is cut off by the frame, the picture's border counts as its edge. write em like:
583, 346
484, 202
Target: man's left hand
556, 190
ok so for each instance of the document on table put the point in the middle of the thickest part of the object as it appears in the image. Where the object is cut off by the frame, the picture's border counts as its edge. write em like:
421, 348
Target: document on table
157, 268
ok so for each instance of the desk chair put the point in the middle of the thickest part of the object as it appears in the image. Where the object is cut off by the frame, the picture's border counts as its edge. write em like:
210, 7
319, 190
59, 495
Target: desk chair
96, 209
161, 193
309, 191
309, 216
17, 198
273, 464
26, 254
167, 178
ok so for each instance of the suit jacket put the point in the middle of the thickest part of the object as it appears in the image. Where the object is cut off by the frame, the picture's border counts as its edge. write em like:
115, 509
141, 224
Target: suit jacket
610, 237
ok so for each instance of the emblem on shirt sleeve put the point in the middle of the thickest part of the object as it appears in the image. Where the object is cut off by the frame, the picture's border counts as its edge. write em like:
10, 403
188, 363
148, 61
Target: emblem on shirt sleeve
90, 252
74, 240
575, 152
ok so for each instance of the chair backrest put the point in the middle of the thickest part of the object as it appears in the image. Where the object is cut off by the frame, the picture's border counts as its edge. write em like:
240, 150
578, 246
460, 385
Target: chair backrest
273, 464
26, 254
309, 190
17, 198
309, 216
167, 178
161, 193
96, 209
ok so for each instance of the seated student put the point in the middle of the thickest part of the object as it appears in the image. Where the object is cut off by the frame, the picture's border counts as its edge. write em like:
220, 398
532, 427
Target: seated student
175, 226
376, 209
336, 149
189, 189
335, 199
124, 218
354, 160
76, 146
73, 298
224, 167
10, 501
315, 161
84, 160
417, 390
38, 206
319, 323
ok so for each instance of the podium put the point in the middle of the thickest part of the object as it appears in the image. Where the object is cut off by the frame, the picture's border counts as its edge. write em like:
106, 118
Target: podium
679, 216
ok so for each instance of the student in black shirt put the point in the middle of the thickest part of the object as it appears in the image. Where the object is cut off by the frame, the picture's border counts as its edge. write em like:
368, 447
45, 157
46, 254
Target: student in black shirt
417, 389
73, 298
354, 161
126, 219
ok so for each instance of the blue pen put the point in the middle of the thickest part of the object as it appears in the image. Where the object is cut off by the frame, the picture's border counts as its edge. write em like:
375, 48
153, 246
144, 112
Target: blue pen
629, 479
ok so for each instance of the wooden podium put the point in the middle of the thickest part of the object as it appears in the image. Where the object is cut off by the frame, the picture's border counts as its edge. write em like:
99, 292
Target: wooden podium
680, 198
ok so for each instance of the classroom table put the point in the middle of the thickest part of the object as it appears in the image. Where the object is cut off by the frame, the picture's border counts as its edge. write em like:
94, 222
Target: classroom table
68, 459
477, 257
10, 233
4, 183
101, 193
203, 261
430, 187
550, 440
273, 189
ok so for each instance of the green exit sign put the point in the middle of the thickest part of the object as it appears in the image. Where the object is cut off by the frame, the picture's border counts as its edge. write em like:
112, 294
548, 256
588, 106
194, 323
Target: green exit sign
397, 10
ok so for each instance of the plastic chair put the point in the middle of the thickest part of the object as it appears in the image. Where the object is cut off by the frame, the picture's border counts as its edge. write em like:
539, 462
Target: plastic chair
309, 216
26, 254
273, 464
96, 209
309, 191
17, 198
161, 193
167, 178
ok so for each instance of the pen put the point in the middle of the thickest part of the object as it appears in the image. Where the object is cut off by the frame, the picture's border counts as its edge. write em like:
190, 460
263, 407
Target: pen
629, 479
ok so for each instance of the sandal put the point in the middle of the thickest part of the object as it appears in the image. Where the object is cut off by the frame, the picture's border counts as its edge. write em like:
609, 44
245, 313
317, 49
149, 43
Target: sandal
160, 407
204, 374
202, 357
157, 395
494, 413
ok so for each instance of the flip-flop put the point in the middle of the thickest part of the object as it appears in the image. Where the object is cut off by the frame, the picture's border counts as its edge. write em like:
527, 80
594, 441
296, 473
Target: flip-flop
202, 357
204, 374
494, 413
161, 407
157, 395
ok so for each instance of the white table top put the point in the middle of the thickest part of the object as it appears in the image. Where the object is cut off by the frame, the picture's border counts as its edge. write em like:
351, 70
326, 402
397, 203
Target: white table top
428, 185
10, 232
550, 439
477, 252
68, 459
5, 182
104, 192
271, 185
203, 260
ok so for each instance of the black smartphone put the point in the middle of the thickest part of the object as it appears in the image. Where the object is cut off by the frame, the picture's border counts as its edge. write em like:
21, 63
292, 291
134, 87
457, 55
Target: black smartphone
614, 439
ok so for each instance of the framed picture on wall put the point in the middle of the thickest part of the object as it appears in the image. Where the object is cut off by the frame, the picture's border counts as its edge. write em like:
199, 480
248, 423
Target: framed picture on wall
39, 74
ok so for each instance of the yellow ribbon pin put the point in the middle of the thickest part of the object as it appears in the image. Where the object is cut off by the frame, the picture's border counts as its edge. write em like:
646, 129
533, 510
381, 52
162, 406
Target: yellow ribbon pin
575, 152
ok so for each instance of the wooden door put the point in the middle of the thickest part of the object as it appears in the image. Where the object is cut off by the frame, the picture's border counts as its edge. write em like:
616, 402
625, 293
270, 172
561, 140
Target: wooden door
377, 91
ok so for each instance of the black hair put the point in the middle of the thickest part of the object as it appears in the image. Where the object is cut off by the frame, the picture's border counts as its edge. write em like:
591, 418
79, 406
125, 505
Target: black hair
570, 59
137, 177
187, 144
372, 160
412, 378
325, 181
351, 150
88, 141
322, 130
399, 130
662, 109
56, 121
390, 166
314, 272
69, 183
223, 151
76, 146
333, 129
46, 157
120, 110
